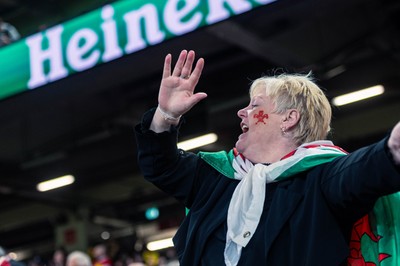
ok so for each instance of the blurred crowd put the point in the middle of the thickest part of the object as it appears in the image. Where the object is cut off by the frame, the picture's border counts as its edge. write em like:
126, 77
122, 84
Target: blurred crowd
98, 255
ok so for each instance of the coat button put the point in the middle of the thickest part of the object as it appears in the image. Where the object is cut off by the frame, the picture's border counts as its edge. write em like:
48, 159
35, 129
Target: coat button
246, 234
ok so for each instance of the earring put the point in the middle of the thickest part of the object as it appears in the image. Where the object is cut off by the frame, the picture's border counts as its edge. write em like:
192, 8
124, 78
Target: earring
283, 130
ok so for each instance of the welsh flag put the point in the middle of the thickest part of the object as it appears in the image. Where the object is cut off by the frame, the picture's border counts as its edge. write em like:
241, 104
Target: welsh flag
374, 237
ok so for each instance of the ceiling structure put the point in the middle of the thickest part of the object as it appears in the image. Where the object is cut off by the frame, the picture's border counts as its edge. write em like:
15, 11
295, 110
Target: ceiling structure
83, 124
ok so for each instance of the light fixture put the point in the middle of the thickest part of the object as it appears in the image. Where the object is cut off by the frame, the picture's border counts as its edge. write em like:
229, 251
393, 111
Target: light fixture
55, 183
335, 72
152, 213
105, 235
358, 95
160, 244
198, 142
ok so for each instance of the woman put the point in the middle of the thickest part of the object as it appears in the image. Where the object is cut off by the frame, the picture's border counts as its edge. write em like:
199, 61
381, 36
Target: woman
284, 196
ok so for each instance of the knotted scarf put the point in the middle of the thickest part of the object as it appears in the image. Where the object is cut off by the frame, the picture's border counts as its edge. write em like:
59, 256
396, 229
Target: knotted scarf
247, 201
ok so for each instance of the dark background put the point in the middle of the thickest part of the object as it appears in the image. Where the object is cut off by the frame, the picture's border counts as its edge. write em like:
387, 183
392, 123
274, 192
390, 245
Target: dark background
83, 124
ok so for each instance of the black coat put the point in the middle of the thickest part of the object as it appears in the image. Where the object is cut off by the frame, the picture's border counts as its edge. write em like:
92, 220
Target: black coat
310, 217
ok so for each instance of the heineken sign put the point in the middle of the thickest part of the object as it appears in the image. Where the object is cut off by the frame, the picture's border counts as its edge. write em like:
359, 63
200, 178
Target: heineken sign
106, 34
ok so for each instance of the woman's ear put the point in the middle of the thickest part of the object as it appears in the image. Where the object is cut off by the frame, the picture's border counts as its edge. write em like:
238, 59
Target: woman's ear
291, 119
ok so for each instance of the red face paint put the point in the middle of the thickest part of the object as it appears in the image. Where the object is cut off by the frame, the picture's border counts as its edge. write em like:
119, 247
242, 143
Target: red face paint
260, 117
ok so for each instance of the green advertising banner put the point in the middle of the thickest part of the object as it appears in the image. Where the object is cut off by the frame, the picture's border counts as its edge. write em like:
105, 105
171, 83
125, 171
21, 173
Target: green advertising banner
106, 34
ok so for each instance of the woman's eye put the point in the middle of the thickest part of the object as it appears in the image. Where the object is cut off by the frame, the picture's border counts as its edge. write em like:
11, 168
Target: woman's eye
254, 105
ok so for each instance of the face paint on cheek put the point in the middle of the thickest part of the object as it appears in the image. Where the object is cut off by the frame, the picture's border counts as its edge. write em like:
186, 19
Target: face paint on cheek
260, 117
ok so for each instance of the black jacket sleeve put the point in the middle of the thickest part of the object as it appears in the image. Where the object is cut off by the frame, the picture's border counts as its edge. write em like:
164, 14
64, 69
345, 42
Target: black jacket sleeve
162, 163
353, 183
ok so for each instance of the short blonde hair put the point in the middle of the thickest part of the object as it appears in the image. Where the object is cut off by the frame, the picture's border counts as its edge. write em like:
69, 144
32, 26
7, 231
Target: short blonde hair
296, 91
78, 258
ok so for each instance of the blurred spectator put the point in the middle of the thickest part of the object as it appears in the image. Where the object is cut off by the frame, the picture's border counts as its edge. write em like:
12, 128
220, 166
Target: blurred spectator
151, 258
59, 257
6, 260
3, 258
36, 261
78, 258
136, 260
8, 33
101, 257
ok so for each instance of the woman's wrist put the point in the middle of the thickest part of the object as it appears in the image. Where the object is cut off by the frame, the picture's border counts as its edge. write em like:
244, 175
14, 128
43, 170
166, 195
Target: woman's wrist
167, 117
162, 121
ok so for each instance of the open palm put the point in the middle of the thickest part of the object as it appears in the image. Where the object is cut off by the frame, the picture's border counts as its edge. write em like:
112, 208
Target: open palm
176, 95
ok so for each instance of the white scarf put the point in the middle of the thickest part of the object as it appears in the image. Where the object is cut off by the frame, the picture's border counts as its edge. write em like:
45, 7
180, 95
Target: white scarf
247, 201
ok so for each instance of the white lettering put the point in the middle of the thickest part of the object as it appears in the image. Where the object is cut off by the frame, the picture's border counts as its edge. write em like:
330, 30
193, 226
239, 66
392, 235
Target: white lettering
53, 53
218, 11
143, 28
147, 14
75, 52
173, 17
109, 27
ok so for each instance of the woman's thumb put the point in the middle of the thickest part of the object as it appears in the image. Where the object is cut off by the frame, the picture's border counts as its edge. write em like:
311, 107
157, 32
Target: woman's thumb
197, 97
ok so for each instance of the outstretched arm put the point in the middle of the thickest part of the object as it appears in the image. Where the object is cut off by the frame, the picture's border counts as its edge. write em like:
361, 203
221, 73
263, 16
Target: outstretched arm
394, 144
176, 95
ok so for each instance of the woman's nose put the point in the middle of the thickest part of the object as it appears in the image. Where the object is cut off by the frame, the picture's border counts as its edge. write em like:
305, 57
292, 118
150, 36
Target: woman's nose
242, 113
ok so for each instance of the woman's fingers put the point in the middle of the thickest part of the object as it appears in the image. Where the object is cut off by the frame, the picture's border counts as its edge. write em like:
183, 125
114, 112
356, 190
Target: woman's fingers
195, 76
167, 66
183, 66
176, 95
179, 64
187, 67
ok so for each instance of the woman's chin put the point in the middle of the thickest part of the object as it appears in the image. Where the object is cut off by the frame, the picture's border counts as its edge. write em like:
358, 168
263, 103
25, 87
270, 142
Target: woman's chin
239, 146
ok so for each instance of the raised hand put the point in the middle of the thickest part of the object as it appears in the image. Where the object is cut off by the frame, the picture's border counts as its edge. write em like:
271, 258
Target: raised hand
176, 95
